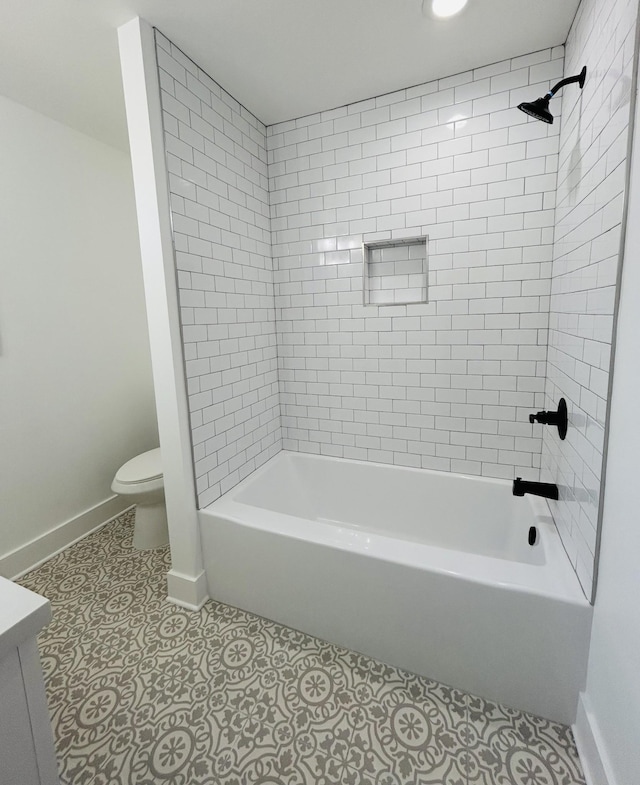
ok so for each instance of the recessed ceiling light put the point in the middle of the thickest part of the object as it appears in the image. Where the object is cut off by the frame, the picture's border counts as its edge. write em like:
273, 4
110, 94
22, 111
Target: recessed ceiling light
444, 8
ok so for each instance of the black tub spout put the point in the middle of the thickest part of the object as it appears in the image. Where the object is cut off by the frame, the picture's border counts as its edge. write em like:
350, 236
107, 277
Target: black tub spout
549, 490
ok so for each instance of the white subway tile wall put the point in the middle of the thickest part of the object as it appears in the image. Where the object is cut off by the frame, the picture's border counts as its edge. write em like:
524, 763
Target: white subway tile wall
269, 262
589, 213
445, 385
217, 167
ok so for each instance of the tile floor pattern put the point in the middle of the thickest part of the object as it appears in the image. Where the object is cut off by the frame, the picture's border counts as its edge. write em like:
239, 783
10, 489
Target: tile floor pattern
143, 692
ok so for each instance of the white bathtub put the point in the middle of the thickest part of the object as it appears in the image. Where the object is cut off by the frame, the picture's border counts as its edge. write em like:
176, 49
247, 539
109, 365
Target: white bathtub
424, 570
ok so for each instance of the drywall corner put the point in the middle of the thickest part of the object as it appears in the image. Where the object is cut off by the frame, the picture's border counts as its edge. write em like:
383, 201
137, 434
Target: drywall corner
144, 119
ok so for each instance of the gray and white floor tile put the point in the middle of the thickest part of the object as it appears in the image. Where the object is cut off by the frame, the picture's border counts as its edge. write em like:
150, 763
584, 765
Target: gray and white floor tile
143, 692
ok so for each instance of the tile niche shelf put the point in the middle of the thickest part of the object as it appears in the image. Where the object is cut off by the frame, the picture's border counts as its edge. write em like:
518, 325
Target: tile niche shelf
395, 272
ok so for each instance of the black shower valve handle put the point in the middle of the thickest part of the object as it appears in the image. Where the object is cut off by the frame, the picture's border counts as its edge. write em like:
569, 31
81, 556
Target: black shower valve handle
544, 418
558, 418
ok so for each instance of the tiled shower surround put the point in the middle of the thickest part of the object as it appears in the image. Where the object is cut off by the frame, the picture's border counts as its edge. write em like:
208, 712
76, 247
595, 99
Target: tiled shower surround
589, 213
445, 385
217, 165
269, 223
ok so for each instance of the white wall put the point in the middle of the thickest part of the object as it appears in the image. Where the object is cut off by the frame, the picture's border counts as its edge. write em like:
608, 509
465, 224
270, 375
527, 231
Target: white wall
77, 396
591, 183
612, 695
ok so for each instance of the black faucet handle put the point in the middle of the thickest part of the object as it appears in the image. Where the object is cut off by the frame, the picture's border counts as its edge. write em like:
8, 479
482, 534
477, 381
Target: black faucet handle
544, 418
558, 418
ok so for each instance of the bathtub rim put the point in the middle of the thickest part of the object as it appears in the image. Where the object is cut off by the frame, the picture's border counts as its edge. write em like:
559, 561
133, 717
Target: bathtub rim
469, 567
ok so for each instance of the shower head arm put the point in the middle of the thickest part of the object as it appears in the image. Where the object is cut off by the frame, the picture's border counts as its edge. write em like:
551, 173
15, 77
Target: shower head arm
569, 80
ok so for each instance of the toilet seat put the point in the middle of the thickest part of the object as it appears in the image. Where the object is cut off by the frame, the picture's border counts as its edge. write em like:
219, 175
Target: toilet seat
141, 482
141, 469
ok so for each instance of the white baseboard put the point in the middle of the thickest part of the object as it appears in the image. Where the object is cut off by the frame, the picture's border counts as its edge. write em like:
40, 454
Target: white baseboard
187, 592
34, 553
590, 746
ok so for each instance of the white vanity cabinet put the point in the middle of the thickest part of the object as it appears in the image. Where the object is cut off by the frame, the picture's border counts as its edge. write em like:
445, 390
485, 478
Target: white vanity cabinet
27, 754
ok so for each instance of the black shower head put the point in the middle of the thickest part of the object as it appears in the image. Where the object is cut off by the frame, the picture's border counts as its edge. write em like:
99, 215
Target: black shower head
539, 109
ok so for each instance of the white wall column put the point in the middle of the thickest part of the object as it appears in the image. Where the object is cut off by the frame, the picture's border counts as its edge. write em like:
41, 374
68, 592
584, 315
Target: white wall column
186, 580
608, 724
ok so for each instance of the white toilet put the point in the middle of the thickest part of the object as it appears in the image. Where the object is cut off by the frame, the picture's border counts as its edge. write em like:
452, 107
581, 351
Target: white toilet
141, 481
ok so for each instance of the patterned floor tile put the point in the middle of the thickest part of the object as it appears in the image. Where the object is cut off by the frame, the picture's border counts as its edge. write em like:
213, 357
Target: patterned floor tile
411, 727
143, 692
508, 747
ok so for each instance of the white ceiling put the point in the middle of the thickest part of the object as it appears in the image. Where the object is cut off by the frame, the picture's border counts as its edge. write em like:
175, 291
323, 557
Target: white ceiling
280, 58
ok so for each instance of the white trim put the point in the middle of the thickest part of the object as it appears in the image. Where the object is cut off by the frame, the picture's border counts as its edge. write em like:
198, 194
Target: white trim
593, 757
146, 137
36, 697
39, 550
187, 592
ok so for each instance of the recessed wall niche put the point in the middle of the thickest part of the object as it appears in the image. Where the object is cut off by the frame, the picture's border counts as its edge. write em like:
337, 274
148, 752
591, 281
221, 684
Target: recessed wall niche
395, 272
